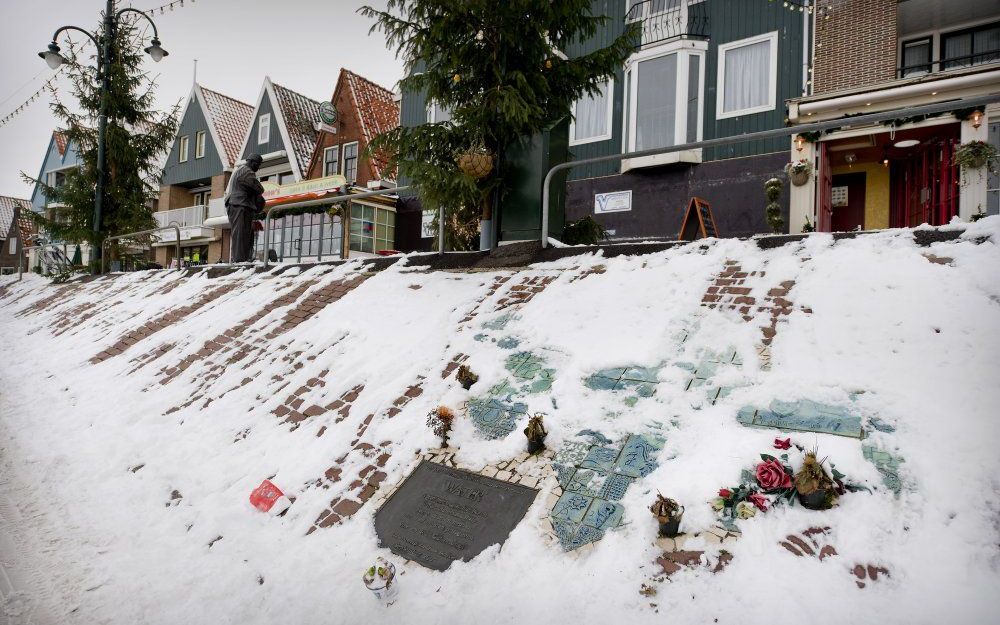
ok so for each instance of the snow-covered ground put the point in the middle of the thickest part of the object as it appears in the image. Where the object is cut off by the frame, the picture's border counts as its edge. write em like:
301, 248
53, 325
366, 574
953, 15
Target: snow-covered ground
90, 454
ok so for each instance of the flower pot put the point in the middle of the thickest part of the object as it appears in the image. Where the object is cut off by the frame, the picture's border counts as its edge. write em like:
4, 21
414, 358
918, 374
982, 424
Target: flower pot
536, 445
815, 500
475, 164
380, 579
670, 526
977, 163
799, 178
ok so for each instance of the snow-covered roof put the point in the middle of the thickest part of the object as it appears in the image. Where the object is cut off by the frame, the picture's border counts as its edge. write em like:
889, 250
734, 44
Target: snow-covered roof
300, 116
8, 208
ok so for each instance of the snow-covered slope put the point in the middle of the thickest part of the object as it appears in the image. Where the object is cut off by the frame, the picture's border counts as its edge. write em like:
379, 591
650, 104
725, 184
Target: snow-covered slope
137, 414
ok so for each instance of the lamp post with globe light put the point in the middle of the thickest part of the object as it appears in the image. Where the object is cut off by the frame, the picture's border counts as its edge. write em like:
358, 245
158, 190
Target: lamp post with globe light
54, 58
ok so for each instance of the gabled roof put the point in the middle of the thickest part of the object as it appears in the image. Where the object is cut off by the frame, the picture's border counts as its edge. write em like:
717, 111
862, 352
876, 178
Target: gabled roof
8, 207
61, 140
229, 119
299, 116
376, 108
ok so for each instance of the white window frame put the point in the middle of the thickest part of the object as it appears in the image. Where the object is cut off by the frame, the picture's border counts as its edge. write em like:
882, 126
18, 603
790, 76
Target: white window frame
326, 152
432, 108
182, 149
263, 129
772, 83
13, 246
685, 49
609, 92
199, 144
357, 160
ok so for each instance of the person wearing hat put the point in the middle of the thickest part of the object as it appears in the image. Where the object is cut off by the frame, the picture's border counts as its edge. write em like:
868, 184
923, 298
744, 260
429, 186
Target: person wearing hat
244, 199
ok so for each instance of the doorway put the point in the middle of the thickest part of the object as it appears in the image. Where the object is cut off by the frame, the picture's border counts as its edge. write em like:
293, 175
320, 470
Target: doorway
848, 202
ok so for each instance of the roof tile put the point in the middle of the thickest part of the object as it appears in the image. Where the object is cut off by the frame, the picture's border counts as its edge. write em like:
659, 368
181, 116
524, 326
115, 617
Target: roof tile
301, 115
231, 119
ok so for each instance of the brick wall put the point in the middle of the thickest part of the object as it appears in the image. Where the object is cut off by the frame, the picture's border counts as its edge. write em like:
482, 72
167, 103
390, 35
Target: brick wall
348, 130
173, 196
219, 184
855, 44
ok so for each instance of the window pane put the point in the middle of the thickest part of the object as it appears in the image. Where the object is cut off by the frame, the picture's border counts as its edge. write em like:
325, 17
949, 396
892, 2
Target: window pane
957, 47
986, 45
916, 57
747, 79
656, 103
628, 108
369, 213
592, 115
694, 96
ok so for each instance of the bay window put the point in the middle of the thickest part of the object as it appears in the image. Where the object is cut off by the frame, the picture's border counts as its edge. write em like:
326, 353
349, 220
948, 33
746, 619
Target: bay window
663, 94
592, 116
748, 76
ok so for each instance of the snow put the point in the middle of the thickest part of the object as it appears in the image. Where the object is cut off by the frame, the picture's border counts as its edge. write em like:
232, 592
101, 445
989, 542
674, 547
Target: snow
919, 340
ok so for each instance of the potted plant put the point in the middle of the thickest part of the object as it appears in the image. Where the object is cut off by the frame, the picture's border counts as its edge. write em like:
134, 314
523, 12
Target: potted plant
475, 162
772, 212
976, 155
440, 420
380, 579
799, 171
536, 434
668, 513
466, 377
814, 485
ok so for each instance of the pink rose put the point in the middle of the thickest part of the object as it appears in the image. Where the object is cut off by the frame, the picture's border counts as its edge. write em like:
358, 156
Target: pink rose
782, 444
758, 500
725, 493
771, 476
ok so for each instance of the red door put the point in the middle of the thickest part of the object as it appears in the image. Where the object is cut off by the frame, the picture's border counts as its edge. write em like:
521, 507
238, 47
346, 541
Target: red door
824, 188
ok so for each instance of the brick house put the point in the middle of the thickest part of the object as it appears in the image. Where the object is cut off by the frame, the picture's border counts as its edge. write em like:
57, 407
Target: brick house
359, 110
16, 231
204, 153
885, 55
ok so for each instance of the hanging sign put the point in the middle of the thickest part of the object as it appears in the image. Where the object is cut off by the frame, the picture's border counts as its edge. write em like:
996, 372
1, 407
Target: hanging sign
838, 196
427, 225
614, 202
328, 113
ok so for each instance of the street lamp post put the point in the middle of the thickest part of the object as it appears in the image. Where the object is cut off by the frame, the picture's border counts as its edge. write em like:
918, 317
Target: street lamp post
54, 58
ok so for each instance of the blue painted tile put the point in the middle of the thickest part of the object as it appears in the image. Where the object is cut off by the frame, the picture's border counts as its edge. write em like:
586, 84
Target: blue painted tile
508, 342
603, 515
805, 416
564, 474
572, 453
600, 458
571, 507
600, 383
482, 338
636, 454
596, 437
586, 482
499, 323
642, 374
524, 365
503, 391
495, 419
614, 487
880, 425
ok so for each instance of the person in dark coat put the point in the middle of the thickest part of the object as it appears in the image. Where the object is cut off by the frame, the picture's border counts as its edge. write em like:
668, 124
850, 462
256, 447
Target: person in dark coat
244, 201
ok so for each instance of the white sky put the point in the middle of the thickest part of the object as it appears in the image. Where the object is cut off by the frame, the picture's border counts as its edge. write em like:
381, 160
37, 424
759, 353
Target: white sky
300, 44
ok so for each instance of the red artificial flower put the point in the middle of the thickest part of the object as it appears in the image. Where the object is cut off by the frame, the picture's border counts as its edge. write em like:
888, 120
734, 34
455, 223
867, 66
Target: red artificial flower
758, 500
771, 475
725, 493
782, 444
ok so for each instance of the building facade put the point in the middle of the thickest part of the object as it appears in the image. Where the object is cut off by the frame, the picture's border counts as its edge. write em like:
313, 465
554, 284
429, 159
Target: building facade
61, 157
889, 55
197, 169
16, 232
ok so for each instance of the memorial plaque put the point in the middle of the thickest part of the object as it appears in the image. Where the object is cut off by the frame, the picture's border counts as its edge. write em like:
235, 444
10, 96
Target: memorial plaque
440, 514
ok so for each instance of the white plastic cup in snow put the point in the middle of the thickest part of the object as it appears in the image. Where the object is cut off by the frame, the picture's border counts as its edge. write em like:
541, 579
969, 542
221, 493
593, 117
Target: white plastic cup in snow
380, 578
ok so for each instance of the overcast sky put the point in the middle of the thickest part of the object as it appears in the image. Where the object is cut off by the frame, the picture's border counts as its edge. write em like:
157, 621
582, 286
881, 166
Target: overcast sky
301, 44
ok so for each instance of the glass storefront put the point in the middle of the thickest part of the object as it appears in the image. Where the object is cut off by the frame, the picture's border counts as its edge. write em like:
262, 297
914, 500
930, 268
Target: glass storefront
373, 229
304, 238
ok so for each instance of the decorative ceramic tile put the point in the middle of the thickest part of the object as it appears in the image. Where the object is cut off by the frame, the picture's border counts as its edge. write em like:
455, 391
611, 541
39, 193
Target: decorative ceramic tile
499, 323
642, 374
571, 507
805, 416
524, 365
887, 464
615, 486
595, 437
600, 458
603, 515
564, 474
494, 418
637, 458
587, 482
881, 425
503, 391
508, 342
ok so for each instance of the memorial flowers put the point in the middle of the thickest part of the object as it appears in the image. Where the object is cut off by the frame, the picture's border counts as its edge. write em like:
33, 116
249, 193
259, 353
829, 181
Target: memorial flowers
772, 481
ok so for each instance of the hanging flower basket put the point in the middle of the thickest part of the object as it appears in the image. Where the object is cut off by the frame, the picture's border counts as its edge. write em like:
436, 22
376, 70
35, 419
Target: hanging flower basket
476, 162
975, 155
799, 172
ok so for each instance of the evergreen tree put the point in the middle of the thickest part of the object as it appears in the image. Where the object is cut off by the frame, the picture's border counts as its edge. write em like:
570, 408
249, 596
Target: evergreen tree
498, 66
137, 138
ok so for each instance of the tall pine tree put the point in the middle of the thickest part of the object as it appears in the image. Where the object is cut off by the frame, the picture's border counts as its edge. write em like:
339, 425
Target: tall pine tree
137, 138
498, 66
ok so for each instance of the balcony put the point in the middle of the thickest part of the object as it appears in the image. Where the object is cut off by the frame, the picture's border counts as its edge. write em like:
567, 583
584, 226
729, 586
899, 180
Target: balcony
191, 221
664, 20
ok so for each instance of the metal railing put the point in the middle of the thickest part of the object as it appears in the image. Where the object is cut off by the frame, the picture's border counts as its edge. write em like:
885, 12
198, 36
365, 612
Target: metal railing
177, 244
833, 124
660, 20
191, 216
21, 257
329, 200
945, 64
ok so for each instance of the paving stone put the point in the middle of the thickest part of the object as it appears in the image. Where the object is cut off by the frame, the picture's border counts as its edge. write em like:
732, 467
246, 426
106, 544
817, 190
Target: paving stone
600, 458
